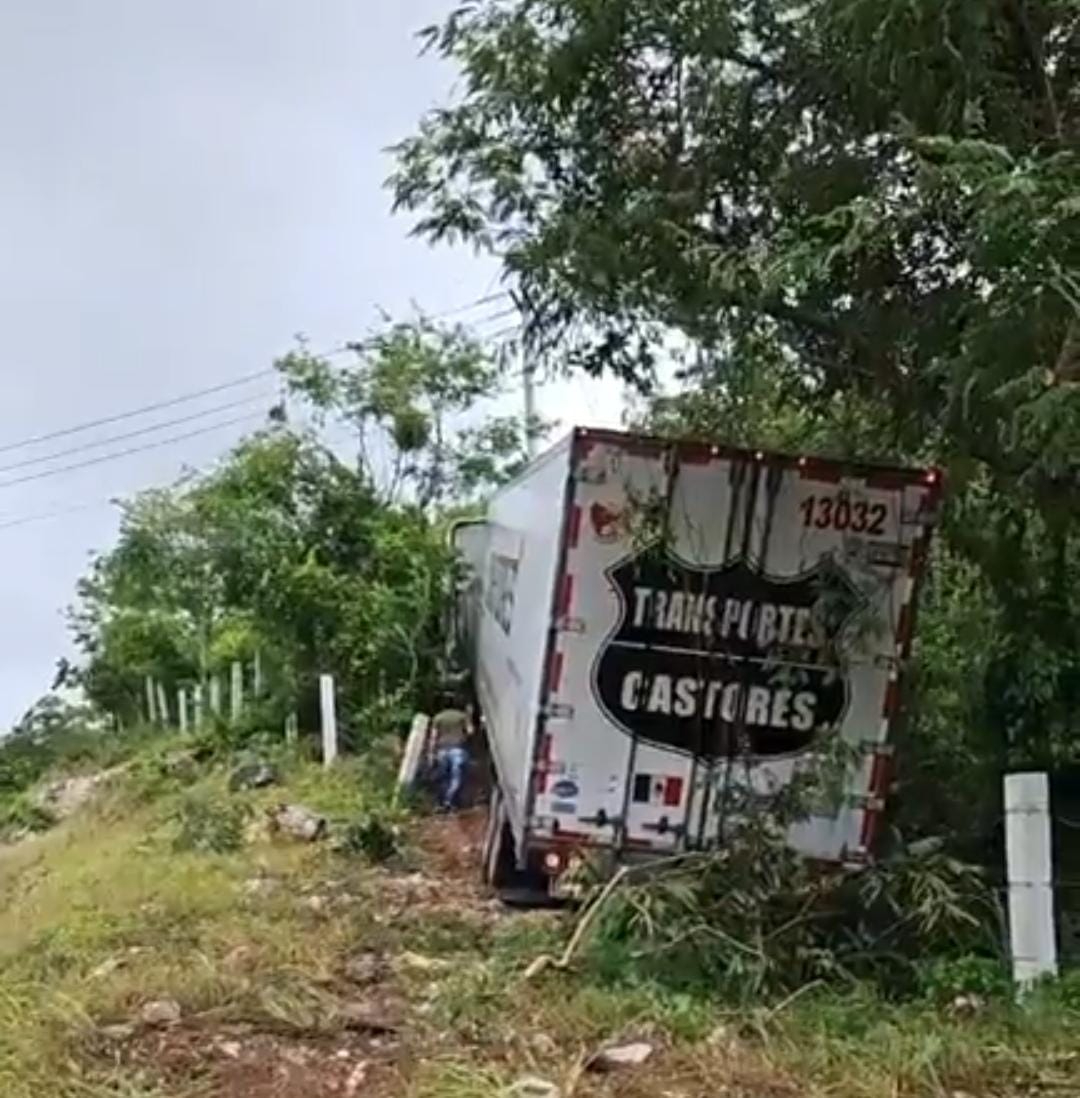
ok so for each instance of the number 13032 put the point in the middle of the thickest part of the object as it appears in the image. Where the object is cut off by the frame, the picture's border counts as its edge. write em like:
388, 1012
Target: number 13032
839, 513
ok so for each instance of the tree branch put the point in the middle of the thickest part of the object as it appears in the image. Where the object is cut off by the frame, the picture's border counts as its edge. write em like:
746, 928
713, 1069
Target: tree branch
1038, 63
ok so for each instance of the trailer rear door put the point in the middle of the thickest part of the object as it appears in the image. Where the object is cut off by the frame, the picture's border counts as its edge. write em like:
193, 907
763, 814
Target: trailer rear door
724, 617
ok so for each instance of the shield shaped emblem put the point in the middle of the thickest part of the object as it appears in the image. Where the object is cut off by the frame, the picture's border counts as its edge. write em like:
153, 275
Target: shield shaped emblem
726, 661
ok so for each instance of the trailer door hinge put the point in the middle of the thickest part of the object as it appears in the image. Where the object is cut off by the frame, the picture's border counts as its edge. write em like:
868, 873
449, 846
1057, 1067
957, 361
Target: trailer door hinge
560, 711
571, 625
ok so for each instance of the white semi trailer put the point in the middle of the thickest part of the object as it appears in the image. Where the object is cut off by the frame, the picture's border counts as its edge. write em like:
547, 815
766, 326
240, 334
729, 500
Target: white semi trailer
653, 623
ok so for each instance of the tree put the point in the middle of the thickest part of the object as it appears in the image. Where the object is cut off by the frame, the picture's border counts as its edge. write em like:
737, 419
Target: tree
418, 398
287, 550
853, 226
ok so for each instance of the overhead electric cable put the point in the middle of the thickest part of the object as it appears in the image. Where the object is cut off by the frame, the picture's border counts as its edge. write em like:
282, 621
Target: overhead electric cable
127, 435
78, 428
127, 453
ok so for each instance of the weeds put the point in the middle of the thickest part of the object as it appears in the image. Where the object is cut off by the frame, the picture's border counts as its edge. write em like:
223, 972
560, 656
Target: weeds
207, 823
373, 836
753, 920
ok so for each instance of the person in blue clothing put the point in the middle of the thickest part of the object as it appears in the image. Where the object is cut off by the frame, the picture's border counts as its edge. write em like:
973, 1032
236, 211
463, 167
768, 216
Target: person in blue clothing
448, 750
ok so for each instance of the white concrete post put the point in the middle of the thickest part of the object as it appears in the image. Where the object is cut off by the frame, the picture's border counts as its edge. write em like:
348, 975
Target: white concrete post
414, 752
163, 706
292, 728
215, 695
256, 674
198, 705
182, 708
1030, 869
328, 709
236, 691
151, 701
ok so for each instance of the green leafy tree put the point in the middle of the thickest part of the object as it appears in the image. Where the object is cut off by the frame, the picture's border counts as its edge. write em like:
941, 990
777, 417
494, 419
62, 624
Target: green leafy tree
856, 223
288, 551
419, 400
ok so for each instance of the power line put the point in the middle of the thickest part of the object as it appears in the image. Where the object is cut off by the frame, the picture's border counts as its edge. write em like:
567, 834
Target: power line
502, 314
44, 516
134, 412
487, 299
96, 443
128, 453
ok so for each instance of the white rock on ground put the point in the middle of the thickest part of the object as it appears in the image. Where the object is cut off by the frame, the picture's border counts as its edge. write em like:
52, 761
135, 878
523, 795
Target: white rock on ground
64, 798
160, 1012
532, 1087
616, 1057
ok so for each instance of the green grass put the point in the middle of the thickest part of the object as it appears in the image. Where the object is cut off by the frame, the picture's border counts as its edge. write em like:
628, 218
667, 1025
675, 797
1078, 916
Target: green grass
104, 913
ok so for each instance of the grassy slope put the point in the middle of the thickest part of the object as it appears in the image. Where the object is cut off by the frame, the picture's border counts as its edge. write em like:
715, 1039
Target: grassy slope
101, 915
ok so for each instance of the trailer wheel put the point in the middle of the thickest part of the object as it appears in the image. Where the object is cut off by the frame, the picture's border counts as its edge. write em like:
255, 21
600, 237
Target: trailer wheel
500, 865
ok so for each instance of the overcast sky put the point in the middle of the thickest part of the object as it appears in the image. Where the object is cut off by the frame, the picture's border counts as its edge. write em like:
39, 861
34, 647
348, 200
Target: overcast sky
183, 187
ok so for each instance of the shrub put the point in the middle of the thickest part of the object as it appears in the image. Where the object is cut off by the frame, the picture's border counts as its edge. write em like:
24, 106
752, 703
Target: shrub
753, 919
373, 836
210, 824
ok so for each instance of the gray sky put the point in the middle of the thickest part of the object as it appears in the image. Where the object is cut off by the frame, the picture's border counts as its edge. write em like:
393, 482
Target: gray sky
183, 187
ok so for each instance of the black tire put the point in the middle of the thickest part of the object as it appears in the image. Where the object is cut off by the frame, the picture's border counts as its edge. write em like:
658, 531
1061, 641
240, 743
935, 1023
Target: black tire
500, 864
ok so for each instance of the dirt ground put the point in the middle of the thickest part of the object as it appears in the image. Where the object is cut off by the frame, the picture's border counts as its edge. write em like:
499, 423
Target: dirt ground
371, 1048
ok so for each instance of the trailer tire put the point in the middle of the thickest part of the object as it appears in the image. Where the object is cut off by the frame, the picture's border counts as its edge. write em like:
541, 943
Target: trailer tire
500, 864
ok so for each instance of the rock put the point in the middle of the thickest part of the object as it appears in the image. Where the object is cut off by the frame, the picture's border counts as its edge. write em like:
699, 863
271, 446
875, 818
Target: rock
543, 1045
364, 969
720, 1036
926, 848
370, 1017
64, 798
124, 1031
316, 904
160, 1012
967, 1006
616, 1057
107, 968
231, 1049
357, 1078
300, 1056
183, 765
260, 886
530, 1086
419, 963
255, 775
297, 821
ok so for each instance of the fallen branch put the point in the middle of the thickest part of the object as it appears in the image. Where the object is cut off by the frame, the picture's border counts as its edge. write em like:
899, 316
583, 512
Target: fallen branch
546, 961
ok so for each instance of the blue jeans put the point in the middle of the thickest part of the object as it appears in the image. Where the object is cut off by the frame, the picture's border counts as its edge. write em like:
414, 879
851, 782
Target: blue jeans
450, 766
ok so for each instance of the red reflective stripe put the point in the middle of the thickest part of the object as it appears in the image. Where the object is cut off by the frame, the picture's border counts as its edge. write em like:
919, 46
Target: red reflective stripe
879, 786
543, 763
673, 788
555, 672
566, 596
573, 529
892, 698
891, 480
904, 622
697, 454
